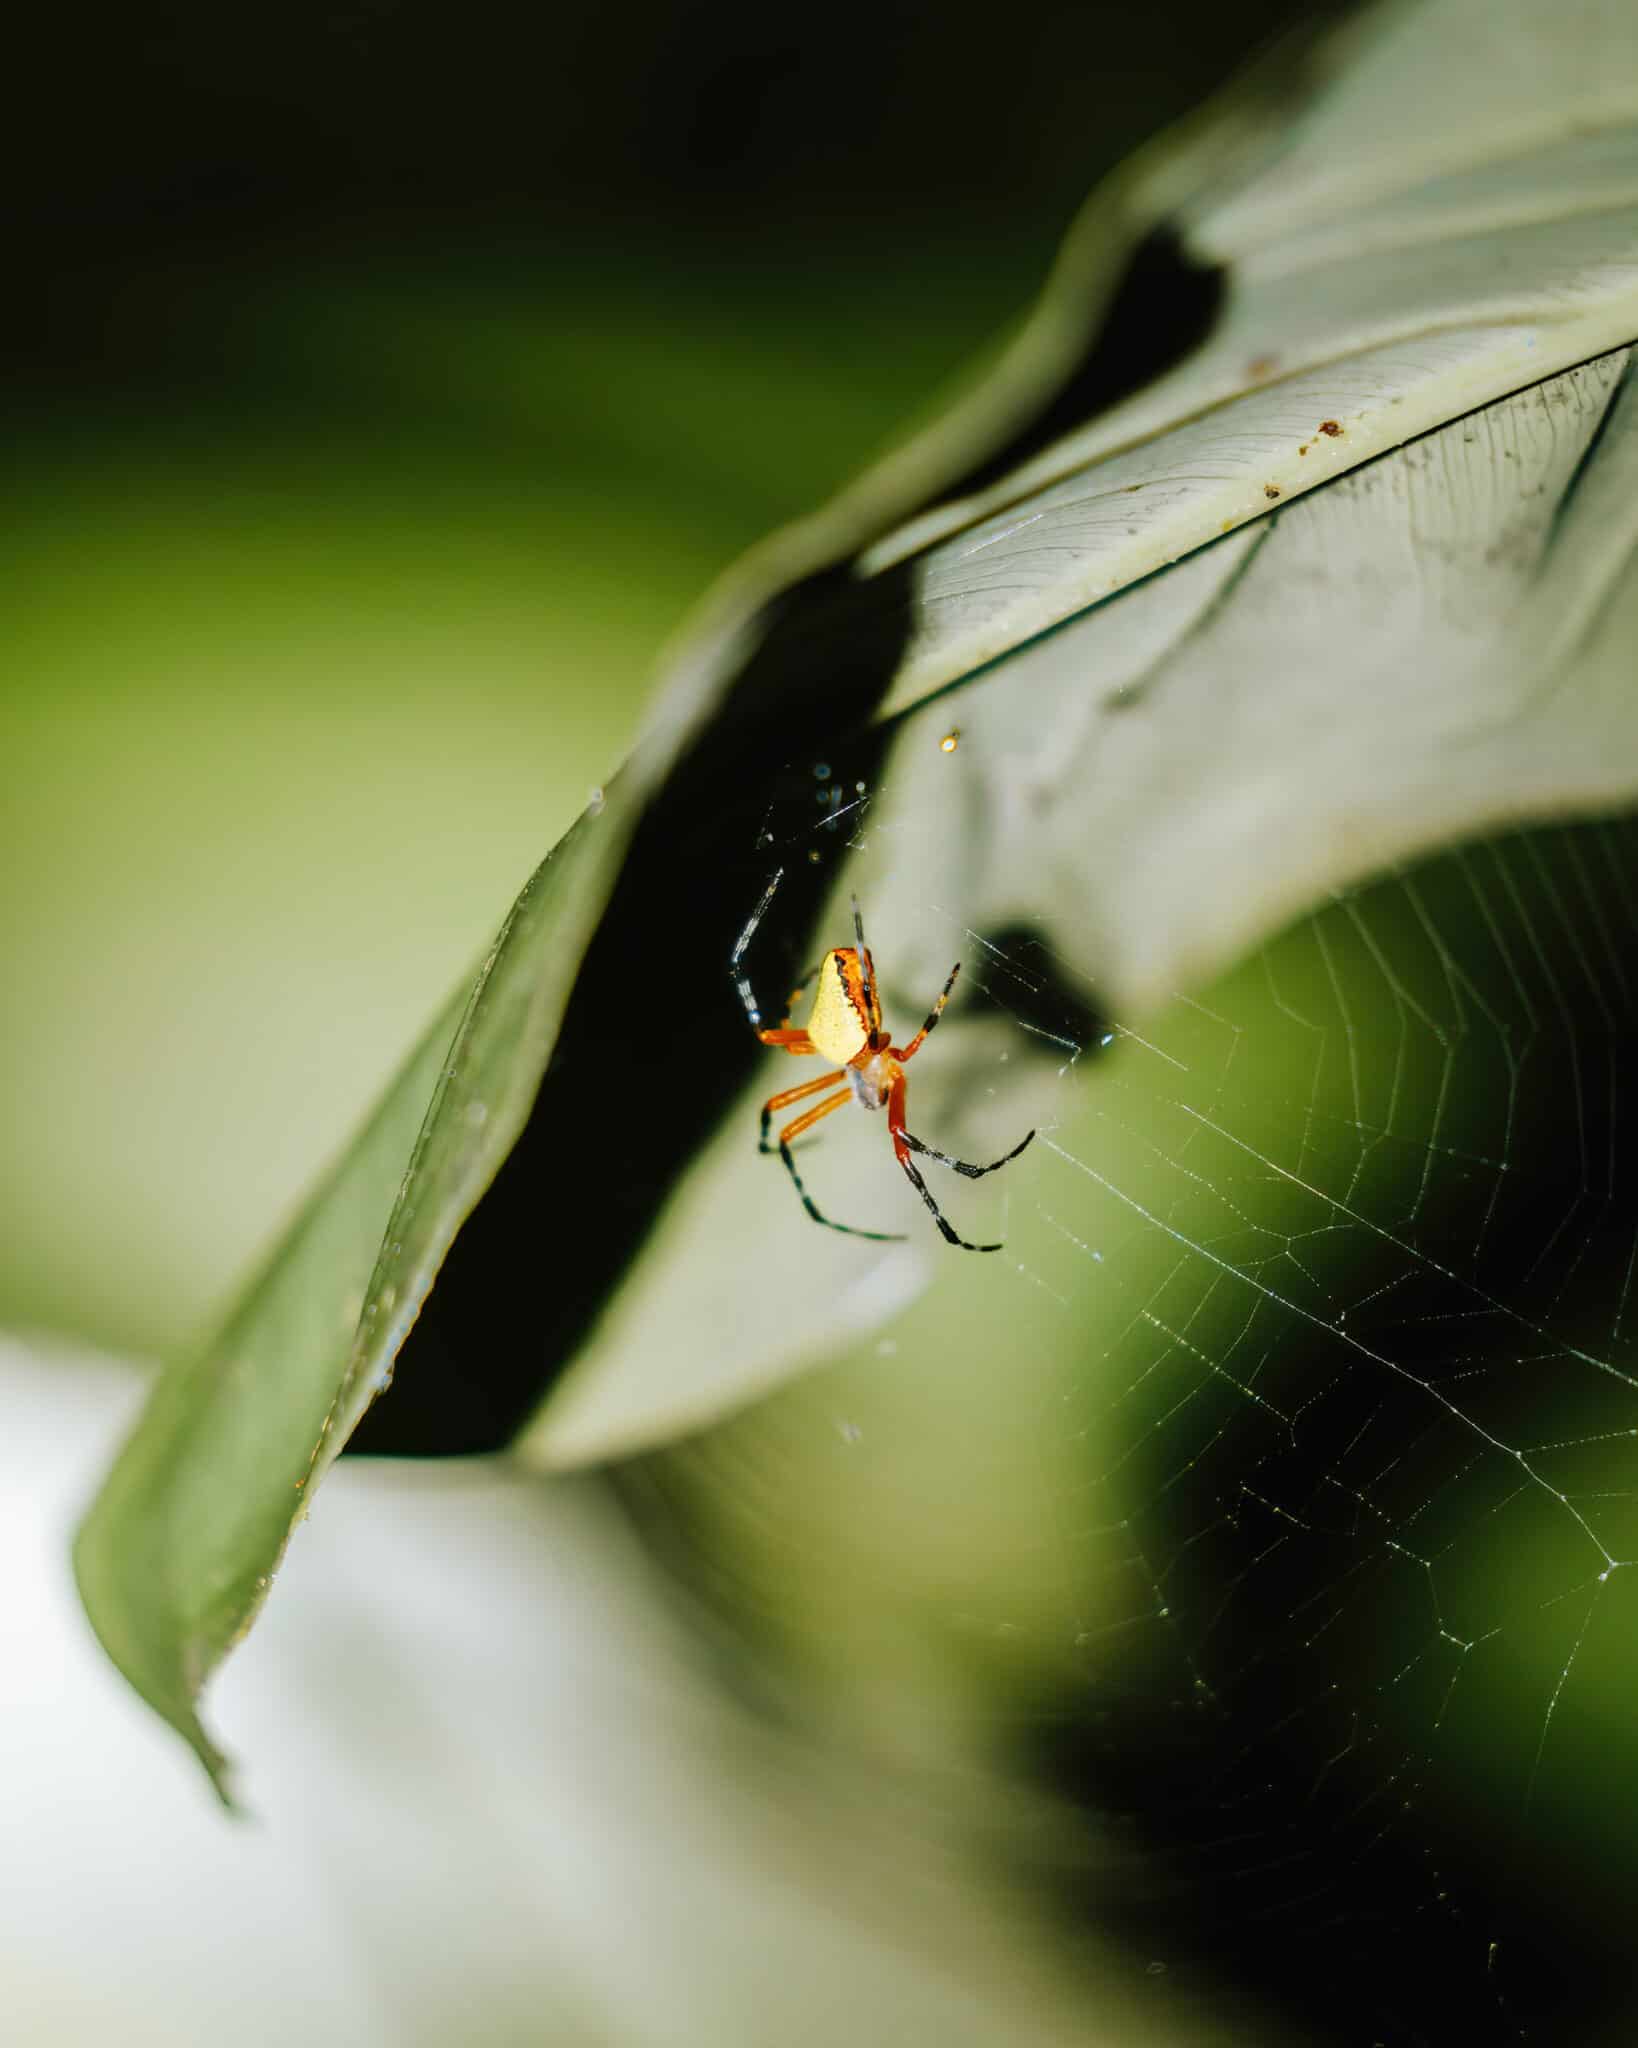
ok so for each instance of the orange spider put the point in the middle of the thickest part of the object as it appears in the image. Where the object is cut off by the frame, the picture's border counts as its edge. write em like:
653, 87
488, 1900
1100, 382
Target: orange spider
845, 1028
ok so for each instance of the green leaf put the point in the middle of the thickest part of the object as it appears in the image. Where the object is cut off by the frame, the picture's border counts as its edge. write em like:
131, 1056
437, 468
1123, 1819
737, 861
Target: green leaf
1158, 780
180, 1547
1352, 581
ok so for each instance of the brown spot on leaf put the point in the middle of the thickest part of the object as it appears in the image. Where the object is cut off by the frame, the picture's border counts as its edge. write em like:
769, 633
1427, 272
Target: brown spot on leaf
1262, 366
1271, 490
1330, 427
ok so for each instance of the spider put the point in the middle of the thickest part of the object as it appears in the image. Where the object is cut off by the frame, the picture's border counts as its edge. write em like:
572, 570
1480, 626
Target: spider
845, 1028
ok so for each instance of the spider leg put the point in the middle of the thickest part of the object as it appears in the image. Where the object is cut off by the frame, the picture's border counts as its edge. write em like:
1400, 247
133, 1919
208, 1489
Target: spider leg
939, 1217
794, 1129
965, 1165
933, 1016
904, 1144
780, 1035
872, 1000
791, 1041
736, 959
784, 1099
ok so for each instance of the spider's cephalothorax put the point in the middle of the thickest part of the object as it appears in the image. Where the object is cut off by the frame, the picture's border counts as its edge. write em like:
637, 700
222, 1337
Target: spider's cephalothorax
845, 1028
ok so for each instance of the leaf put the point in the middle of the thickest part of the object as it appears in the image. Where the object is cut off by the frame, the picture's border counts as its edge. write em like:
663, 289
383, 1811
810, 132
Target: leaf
1159, 765
180, 1547
1373, 672
1174, 376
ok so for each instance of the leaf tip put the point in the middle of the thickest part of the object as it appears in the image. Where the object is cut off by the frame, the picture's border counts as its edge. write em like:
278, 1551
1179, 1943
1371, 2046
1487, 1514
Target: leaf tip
158, 1679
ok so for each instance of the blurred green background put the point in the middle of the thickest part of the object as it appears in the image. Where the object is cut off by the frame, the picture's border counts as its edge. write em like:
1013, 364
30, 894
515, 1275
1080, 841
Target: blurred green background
384, 385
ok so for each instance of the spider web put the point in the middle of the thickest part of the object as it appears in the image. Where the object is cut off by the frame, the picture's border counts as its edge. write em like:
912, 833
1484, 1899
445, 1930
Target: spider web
1338, 1260
1369, 1417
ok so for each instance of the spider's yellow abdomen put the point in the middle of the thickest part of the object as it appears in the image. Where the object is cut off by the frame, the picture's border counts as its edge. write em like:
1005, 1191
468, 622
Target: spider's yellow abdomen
840, 1026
